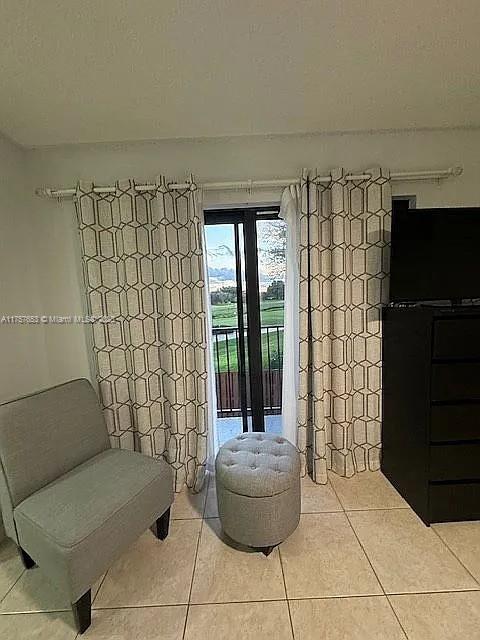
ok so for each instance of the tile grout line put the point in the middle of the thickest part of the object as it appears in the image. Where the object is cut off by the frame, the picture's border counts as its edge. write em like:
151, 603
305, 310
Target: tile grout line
455, 556
332, 487
430, 592
345, 509
101, 584
286, 594
195, 558
376, 576
203, 517
319, 513
396, 615
117, 608
380, 595
219, 603
367, 509
371, 565
329, 482
13, 585
181, 604
193, 572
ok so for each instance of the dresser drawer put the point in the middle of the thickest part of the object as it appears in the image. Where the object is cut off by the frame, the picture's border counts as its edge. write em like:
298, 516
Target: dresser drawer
455, 422
455, 462
454, 502
460, 381
456, 338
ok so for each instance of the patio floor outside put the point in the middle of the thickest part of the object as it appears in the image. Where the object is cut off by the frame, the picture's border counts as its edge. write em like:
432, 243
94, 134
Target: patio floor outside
228, 428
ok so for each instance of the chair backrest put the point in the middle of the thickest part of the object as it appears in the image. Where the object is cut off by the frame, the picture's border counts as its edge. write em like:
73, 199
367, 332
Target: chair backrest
44, 435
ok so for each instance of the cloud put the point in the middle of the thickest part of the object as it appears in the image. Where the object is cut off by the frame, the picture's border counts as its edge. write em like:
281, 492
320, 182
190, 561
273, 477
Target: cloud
222, 273
221, 251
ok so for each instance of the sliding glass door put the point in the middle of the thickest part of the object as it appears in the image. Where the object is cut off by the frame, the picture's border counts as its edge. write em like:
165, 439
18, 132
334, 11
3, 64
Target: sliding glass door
246, 268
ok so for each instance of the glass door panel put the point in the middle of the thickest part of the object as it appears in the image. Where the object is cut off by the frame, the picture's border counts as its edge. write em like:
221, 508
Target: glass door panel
271, 250
226, 284
246, 270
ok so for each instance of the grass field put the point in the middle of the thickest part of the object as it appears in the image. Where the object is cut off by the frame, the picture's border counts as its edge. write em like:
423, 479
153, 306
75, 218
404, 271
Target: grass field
222, 362
225, 315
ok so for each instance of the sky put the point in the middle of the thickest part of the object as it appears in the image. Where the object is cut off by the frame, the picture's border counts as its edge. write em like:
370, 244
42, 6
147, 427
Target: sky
221, 258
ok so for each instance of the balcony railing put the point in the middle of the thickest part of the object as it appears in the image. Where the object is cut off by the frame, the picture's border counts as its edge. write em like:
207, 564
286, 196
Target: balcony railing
226, 358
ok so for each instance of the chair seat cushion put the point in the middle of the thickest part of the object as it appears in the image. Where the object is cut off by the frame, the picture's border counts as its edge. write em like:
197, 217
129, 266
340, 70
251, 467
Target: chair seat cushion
91, 514
257, 465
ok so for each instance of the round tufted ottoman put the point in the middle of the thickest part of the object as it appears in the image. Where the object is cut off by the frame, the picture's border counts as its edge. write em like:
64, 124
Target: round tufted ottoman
258, 489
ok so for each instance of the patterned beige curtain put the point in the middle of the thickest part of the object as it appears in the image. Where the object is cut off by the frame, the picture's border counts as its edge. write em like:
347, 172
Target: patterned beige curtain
343, 279
143, 267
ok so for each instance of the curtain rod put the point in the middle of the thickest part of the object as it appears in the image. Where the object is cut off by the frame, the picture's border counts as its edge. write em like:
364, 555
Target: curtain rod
402, 176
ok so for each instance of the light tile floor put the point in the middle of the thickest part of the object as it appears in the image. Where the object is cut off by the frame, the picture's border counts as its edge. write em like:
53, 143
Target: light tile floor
361, 566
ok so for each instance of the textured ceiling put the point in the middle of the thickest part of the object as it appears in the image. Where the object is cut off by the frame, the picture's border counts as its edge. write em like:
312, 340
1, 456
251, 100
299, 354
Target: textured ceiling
112, 70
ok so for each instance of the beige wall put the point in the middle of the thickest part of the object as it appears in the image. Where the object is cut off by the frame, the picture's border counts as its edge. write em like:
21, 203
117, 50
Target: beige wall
60, 289
274, 156
39, 264
23, 355
219, 159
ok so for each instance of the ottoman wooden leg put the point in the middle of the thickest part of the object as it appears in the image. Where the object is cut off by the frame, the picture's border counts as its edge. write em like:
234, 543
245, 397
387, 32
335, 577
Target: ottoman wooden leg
268, 550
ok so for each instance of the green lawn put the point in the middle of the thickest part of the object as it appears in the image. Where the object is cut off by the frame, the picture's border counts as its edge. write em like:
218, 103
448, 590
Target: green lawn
225, 315
222, 362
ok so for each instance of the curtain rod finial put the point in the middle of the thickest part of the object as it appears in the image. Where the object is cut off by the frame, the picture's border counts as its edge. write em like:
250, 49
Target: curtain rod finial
456, 171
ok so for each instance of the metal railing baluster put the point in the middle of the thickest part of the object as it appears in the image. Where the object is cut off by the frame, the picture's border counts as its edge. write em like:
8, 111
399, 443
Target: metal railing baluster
218, 376
227, 397
229, 371
280, 364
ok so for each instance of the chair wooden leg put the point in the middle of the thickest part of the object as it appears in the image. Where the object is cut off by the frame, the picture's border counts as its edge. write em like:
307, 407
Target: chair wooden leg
28, 562
160, 528
82, 612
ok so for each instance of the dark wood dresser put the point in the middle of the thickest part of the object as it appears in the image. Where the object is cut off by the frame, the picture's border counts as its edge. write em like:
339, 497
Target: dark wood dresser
431, 409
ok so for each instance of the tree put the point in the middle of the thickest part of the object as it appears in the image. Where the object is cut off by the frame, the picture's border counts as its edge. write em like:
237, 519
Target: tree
224, 295
275, 291
272, 246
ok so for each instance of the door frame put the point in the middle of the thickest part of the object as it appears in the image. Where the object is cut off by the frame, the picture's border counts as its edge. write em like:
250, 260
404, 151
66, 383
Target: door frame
248, 216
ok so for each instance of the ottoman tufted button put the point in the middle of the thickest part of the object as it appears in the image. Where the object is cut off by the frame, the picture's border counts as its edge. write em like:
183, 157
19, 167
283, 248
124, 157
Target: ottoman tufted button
253, 456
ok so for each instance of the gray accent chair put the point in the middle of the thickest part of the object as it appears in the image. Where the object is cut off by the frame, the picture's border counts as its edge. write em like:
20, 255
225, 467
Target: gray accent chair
69, 501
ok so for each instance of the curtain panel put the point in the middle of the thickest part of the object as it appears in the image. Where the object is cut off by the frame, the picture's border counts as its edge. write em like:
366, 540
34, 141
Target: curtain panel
344, 255
144, 272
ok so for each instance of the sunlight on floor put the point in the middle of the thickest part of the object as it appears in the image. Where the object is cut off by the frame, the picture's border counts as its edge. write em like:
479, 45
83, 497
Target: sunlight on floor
228, 428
